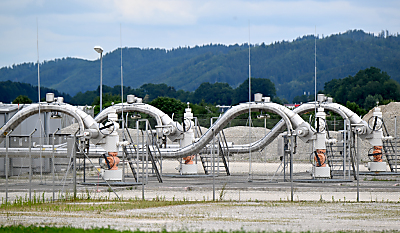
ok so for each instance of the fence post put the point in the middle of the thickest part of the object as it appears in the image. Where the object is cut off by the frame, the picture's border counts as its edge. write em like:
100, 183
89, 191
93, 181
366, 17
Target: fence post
395, 142
53, 164
7, 163
30, 164
344, 148
213, 164
74, 163
291, 167
358, 167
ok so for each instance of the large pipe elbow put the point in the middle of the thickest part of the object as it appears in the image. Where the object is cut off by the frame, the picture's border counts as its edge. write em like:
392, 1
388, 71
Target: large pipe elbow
33, 109
170, 127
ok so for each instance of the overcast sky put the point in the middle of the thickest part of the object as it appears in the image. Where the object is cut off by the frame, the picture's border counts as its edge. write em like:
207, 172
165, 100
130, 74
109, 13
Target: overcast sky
71, 28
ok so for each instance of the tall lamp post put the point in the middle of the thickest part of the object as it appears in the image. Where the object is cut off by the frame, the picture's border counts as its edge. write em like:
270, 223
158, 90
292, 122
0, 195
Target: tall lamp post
100, 50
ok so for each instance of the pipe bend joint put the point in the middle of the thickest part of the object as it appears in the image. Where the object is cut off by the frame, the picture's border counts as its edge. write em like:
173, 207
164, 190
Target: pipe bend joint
91, 133
169, 129
302, 131
361, 130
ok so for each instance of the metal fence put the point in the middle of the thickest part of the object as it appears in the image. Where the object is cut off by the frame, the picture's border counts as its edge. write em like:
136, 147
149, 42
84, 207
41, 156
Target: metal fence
268, 175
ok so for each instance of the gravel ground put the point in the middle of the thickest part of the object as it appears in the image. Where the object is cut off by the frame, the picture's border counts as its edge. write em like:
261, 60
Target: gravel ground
228, 216
256, 206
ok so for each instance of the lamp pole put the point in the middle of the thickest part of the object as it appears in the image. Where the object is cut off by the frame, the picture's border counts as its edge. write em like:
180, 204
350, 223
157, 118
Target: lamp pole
100, 50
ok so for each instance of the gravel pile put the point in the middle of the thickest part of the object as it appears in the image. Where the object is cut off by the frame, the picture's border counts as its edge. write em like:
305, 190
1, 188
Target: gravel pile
389, 114
71, 129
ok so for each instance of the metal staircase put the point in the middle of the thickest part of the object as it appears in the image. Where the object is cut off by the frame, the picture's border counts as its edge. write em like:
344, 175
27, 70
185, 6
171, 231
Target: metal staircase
392, 158
390, 151
129, 155
221, 159
143, 158
338, 160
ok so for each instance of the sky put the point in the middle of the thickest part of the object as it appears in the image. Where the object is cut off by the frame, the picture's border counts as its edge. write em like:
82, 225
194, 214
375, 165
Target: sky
71, 28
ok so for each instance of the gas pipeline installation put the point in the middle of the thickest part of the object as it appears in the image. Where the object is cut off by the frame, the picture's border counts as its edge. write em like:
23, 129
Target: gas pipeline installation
105, 144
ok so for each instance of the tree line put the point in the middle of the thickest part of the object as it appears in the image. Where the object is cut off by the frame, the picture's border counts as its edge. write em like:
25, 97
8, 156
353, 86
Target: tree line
212, 93
9, 91
360, 93
365, 90
287, 64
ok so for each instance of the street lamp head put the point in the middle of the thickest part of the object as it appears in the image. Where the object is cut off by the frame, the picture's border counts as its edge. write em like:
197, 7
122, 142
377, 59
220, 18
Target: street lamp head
98, 49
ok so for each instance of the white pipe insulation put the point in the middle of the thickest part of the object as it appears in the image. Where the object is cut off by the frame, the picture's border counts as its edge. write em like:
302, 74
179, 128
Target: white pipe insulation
164, 122
84, 120
344, 112
289, 119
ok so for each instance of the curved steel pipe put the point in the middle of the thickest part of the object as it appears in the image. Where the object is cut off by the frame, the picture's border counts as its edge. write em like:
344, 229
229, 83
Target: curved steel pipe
144, 108
233, 112
289, 119
162, 118
84, 120
343, 111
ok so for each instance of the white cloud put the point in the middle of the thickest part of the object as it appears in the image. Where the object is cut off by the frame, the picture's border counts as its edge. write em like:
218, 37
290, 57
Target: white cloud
76, 25
156, 12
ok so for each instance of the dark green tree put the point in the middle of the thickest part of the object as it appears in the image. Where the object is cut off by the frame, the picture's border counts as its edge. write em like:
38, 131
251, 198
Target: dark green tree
302, 99
22, 99
355, 108
217, 93
372, 101
258, 85
365, 88
11, 90
157, 90
278, 100
168, 105
108, 100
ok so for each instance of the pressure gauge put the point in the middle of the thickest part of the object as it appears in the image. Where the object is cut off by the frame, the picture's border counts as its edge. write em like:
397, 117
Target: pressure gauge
375, 123
187, 124
320, 124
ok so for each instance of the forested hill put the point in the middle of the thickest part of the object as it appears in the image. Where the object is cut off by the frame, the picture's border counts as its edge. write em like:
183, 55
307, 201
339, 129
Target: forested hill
11, 90
290, 65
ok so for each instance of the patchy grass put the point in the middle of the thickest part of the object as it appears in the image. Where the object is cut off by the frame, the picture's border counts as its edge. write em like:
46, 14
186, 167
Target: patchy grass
36, 229
381, 179
92, 206
85, 202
